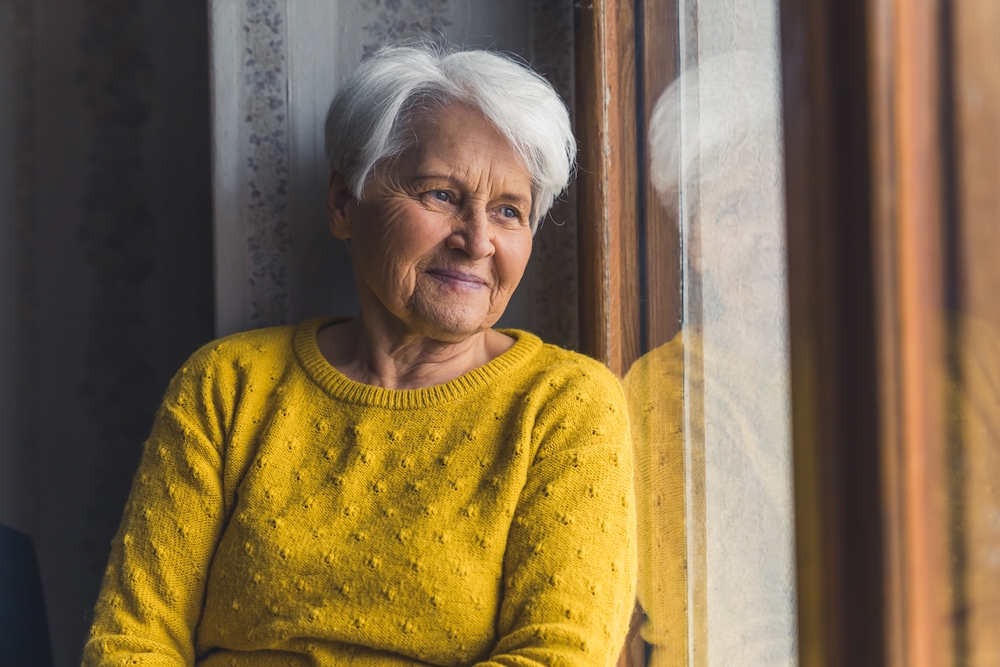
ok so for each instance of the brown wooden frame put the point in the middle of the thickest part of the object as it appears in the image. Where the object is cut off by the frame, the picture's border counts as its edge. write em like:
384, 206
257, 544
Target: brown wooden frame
657, 66
605, 92
867, 207
630, 269
832, 314
629, 243
909, 229
873, 246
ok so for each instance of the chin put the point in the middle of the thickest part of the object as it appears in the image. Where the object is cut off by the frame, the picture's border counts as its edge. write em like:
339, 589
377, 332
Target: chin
452, 324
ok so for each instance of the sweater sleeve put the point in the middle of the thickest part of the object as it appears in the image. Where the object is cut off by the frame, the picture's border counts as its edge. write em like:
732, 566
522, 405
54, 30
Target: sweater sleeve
152, 593
569, 567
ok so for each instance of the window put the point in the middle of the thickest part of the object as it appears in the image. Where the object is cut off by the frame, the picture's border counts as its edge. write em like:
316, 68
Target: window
869, 212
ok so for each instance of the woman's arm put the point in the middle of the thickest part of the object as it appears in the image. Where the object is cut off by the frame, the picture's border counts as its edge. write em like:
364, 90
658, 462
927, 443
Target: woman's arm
152, 594
569, 567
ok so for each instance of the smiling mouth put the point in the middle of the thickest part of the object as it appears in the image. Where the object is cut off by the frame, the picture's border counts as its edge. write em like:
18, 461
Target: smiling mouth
456, 278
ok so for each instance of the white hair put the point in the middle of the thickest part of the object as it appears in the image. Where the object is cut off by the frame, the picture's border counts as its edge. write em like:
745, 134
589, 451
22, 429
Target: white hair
730, 107
368, 117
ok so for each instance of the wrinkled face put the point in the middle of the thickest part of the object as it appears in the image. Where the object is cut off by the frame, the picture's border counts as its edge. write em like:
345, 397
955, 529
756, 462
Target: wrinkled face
442, 235
740, 221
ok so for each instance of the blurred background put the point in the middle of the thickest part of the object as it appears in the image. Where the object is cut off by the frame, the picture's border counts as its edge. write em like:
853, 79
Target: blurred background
105, 265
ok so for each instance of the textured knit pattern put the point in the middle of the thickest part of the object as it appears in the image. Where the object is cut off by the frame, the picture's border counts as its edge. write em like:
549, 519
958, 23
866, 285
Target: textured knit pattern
654, 387
286, 515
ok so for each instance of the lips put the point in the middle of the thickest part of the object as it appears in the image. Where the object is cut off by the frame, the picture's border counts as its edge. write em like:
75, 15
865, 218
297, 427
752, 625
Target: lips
457, 278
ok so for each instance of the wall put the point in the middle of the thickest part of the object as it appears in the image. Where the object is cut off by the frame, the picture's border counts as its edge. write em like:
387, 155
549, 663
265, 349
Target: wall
105, 254
12, 473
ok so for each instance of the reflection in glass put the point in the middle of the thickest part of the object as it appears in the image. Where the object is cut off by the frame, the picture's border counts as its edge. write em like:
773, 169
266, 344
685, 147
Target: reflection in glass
710, 409
973, 467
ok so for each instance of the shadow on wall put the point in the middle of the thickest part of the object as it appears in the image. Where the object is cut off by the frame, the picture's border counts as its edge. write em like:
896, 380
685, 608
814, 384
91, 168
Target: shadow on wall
105, 202
24, 630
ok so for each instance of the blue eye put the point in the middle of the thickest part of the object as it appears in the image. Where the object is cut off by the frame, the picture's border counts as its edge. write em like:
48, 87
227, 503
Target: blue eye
441, 195
508, 212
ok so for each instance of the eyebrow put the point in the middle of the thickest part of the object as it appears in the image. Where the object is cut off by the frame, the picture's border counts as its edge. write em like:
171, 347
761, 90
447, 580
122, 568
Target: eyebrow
506, 196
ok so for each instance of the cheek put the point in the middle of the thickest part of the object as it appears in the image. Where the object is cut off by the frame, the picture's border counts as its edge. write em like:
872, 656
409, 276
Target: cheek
512, 259
392, 246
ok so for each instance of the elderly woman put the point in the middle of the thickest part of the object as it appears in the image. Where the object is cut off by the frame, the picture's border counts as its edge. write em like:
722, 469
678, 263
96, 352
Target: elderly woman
408, 486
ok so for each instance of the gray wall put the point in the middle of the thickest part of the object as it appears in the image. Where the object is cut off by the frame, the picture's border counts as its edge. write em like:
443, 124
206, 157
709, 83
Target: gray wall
105, 265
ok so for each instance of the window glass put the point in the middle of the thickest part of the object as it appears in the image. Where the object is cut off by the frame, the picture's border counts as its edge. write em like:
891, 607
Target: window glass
710, 408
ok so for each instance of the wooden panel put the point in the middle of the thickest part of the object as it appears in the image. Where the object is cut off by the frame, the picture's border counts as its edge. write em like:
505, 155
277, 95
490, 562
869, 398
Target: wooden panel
832, 333
910, 298
933, 83
624, 91
592, 197
605, 89
658, 68
884, 209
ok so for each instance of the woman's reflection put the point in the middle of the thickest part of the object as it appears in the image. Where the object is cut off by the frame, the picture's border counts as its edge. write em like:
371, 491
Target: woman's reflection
710, 408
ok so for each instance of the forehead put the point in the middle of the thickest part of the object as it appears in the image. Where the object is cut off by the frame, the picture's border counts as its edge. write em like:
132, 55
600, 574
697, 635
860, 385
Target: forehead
460, 139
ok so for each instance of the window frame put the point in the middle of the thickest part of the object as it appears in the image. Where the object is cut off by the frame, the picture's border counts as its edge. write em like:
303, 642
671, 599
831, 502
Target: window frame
872, 243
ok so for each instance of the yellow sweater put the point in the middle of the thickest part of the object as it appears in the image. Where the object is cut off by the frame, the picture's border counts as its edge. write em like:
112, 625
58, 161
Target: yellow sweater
286, 515
654, 388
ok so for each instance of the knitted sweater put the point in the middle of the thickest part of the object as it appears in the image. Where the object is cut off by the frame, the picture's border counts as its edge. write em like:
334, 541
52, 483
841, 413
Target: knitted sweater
284, 514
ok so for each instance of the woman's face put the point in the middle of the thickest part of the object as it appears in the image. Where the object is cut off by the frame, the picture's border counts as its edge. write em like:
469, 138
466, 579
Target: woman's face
442, 235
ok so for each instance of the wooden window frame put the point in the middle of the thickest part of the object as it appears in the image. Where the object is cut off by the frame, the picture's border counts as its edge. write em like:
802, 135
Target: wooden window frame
872, 255
867, 126
630, 266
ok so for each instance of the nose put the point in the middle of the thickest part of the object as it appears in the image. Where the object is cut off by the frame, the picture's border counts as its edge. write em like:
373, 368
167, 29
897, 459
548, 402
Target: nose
473, 235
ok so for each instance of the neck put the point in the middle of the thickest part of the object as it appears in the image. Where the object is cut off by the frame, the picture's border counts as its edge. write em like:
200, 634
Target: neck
393, 358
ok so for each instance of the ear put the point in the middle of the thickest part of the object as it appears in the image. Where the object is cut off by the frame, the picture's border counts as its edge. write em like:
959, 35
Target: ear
338, 196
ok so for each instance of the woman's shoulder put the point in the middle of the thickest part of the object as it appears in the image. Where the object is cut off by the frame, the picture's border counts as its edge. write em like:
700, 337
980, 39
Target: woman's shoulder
245, 346
246, 356
575, 402
558, 370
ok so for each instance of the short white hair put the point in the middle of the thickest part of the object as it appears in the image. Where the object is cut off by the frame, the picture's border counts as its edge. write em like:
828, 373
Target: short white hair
368, 117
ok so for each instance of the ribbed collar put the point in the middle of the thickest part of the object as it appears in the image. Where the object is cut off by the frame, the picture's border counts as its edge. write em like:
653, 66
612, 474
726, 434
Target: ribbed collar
341, 387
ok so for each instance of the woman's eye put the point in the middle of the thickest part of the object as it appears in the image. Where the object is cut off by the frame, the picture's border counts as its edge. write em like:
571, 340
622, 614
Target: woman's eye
508, 212
441, 195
